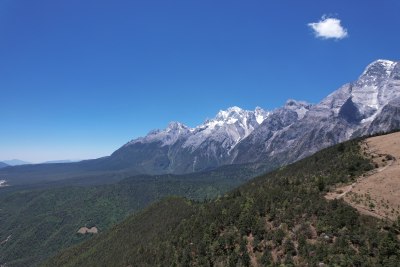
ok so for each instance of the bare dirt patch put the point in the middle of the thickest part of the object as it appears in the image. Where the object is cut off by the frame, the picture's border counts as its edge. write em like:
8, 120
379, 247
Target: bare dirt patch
378, 192
340, 192
250, 250
3, 183
85, 230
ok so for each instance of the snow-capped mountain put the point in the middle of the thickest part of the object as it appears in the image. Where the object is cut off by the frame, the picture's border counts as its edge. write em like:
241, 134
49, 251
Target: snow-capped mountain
228, 128
367, 105
361, 102
231, 125
182, 149
168, 136
251, 149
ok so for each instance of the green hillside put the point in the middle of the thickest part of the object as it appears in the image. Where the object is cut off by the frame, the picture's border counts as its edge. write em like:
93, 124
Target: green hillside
278, 219
40, 222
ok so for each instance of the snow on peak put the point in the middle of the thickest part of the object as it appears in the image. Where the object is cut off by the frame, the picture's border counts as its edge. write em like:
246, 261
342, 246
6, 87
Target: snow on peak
232, 112
235, 114
168, 136
384, 62
374, 88
260, 114
231, 125
371, 92
234, 109
176, 126
379, 68
228, 127
300, 107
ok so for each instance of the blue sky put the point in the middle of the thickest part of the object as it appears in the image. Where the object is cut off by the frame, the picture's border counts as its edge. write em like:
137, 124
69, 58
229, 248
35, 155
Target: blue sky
80, 78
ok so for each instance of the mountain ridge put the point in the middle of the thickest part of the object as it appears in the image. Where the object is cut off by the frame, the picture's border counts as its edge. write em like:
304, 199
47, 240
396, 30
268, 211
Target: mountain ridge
365, 106
279, 218
293, 131
3, 165
15, 162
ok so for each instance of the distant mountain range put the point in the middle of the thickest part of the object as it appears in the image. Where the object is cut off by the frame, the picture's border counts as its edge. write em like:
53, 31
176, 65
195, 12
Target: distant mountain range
59, 161
180, 149
3, 165
368, 105
15, 162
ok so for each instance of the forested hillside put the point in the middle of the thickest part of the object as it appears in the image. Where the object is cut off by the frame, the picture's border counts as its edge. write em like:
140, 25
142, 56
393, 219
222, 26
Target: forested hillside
36, 223
278, 218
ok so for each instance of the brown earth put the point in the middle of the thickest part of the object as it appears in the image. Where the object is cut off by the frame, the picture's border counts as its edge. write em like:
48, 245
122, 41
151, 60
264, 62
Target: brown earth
377, 193
85, 230
250, 250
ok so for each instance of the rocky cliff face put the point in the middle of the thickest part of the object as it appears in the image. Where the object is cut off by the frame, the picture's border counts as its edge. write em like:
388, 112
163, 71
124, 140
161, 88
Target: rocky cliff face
180, 149
366, 106
370, 104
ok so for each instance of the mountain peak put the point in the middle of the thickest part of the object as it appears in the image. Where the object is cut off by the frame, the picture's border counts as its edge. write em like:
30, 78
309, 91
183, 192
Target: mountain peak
175, 125
234, 111
233, 114
15, 162
384, 62
168, 136
376, 87
300, 107
260, 114
227, 129
291, 103
379, 68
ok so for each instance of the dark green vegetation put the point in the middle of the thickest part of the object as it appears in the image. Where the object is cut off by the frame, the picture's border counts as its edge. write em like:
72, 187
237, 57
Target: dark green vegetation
88, 170
40, 222
104, 170
278, 218
3, 165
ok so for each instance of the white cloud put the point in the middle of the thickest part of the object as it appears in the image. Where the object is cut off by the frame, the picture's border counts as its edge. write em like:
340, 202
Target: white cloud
328, 28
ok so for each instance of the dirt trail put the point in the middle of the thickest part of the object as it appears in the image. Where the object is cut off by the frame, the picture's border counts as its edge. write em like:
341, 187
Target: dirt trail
337, 195
378, 193
6, 240
253, 258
